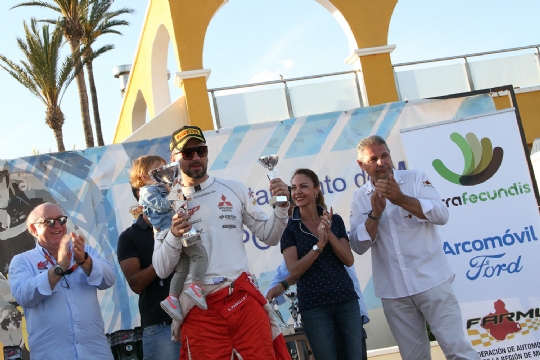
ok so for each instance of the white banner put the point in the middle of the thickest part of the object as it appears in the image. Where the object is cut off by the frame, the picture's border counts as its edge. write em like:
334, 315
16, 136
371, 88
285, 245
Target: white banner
93, 187
479, 167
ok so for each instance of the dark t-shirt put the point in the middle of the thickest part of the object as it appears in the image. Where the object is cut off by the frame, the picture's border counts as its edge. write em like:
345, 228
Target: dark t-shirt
137, 241
326, 281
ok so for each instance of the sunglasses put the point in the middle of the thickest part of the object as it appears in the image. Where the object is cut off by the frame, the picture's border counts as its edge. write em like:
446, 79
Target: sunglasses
187, 154
50, 222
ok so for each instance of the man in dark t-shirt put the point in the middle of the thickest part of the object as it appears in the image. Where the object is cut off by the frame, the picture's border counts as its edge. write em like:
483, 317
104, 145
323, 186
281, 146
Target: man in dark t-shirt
135, 249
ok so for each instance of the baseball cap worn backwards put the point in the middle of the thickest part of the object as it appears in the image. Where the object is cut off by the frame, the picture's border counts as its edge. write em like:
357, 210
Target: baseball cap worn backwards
181, 136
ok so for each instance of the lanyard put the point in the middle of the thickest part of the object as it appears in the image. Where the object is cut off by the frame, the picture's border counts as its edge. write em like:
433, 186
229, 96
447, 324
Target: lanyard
51, 260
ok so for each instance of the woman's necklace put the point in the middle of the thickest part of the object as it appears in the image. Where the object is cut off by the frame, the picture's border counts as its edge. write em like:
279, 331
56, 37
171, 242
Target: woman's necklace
312, 224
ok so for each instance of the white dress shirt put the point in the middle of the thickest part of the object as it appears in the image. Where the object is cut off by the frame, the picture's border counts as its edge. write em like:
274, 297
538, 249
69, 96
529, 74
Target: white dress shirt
63, 323
407, 253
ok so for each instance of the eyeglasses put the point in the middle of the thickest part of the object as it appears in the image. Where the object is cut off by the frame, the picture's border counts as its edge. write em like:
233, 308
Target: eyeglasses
50, 222
64, 282
187, 154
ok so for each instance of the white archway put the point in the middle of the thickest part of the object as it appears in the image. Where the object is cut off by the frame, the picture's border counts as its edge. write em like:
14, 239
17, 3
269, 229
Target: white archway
160, 88
342, 23
138, 117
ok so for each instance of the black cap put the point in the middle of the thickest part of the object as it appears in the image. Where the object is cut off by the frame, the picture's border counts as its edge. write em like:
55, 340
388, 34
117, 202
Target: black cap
181, 136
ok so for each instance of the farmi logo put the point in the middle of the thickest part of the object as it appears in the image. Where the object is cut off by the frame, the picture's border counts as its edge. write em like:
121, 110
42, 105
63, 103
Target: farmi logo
481, 160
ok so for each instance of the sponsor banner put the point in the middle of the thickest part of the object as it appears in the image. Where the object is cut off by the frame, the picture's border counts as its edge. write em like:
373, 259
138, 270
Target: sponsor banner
92, 186
479, 167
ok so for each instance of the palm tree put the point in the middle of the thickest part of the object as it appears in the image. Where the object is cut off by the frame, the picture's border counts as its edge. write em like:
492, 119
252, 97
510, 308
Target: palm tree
96, 22
71, 26
42, 73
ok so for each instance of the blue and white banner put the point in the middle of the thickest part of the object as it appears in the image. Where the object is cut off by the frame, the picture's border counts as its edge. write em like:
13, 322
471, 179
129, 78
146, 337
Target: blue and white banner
479, 167
92, 186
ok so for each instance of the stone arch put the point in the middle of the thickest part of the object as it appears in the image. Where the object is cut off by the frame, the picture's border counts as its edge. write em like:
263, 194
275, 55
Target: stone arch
138, 115
364, 22
368, 20
158, 69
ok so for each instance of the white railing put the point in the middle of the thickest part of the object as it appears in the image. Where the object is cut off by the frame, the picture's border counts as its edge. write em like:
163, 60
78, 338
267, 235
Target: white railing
288, 98
460, 74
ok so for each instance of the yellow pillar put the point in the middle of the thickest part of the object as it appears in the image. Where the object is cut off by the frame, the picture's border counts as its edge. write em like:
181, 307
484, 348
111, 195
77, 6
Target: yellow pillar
198, 106
375, 66
379, 78
368, 22
190, 20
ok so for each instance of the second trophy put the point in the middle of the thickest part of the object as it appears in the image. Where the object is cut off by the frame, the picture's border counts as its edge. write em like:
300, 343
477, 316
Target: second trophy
270, 162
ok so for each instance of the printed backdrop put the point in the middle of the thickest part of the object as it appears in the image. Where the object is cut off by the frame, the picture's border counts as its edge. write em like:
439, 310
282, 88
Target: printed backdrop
92, 185
480, 169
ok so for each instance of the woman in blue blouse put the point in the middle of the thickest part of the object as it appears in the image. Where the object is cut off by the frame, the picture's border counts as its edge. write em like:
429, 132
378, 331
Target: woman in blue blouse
315, 246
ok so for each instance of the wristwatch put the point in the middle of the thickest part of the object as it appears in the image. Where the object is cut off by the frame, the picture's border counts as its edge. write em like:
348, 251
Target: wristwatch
316, 248
373, 217
58, 270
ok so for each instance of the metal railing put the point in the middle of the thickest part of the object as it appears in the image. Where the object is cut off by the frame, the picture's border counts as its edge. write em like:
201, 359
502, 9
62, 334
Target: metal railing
357, 81
286, 88
464, 57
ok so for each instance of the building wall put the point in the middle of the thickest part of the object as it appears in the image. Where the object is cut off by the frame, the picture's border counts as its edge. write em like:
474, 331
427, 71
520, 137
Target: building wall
184, 24
528, 103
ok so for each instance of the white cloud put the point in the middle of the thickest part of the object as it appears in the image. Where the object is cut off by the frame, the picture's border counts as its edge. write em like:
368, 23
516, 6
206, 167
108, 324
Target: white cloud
264, 75
287, 64
269, 75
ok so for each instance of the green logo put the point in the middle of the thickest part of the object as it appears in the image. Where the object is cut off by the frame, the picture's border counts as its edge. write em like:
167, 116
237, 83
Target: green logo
481, 160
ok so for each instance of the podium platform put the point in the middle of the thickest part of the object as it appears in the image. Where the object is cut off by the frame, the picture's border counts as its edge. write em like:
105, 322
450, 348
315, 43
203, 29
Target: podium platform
299, 347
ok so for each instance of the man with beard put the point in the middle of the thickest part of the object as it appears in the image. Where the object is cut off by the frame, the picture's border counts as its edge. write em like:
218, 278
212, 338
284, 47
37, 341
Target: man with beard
395, 214
236, 321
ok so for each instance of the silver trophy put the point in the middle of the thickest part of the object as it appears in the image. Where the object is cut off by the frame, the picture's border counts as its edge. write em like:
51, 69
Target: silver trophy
293, 309
270, 162
180, 204
167, 174
275, 308
285, 328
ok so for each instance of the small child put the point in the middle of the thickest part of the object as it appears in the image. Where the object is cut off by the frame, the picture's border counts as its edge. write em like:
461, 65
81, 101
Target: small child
153, 197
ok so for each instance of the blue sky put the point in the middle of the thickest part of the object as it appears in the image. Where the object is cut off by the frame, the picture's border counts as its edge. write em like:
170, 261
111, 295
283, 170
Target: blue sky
258, 40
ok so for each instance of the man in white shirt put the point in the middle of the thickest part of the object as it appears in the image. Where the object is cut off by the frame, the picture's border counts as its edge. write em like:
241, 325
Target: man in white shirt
56, 283
395, 214
235, 322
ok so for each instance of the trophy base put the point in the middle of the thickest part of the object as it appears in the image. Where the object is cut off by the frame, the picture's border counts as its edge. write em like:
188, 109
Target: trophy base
286, 330
191, 239
278, 200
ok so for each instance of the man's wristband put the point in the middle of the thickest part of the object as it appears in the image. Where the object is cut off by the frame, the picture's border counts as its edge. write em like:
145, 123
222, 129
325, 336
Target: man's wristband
84, 260
285, 284
373, 217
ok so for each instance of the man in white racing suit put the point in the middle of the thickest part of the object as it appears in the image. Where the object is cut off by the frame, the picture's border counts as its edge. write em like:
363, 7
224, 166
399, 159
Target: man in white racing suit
236, 321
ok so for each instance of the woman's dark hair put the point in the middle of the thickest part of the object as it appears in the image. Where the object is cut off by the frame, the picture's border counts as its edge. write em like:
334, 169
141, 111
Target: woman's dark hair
319, 200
